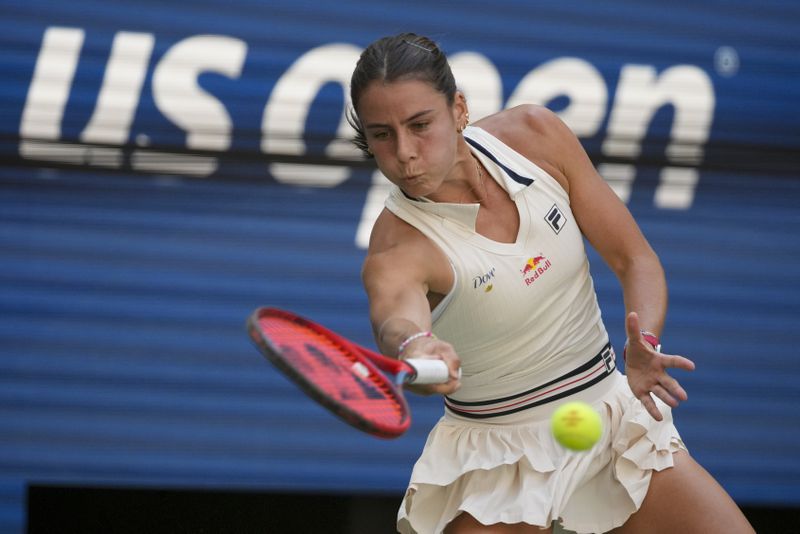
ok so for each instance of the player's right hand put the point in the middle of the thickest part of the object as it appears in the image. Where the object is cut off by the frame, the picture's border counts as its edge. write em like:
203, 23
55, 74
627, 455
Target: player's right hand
429, 348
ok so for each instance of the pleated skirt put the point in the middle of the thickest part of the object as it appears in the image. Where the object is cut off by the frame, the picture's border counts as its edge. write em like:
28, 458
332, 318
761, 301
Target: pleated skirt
511, 470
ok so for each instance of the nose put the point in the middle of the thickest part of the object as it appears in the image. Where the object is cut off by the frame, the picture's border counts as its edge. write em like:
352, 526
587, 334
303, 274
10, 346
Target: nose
406, 147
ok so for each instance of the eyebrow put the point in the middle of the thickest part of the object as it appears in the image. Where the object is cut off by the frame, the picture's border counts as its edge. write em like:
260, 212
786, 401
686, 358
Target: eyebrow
412, 118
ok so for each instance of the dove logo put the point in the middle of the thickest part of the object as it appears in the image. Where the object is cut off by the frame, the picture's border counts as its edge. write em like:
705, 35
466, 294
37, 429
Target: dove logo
484, 281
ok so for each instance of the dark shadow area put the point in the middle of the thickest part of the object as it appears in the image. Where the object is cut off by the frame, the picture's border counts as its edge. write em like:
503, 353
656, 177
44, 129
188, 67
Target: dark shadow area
58, 509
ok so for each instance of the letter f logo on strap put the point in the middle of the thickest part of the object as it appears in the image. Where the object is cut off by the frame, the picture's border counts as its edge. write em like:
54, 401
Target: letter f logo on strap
555, 219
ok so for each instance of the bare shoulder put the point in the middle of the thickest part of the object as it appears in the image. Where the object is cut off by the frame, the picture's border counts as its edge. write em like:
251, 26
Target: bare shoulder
519, 126
390, 232
401, 253
524, 120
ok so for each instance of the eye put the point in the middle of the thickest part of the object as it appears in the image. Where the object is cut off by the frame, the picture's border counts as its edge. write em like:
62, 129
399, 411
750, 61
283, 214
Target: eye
380, 135
423, 125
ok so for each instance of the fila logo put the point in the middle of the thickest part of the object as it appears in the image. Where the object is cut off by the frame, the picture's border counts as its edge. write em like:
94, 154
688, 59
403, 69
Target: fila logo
608, 357
555, 219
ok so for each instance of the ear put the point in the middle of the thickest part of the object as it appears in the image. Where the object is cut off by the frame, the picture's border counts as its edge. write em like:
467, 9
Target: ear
460, 111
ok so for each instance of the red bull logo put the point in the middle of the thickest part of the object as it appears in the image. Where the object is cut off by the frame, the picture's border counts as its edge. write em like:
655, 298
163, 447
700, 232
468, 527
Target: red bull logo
532, 264
534, 268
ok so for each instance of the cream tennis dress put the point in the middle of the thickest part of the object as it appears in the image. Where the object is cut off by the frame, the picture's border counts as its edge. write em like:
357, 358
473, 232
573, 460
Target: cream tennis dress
524, 319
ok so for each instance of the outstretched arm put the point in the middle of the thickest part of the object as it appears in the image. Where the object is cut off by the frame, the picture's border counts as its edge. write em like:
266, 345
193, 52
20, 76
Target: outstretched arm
397, 275
612, 231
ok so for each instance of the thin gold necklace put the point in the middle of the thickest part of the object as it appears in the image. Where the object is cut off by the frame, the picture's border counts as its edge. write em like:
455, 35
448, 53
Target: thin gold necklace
480, 179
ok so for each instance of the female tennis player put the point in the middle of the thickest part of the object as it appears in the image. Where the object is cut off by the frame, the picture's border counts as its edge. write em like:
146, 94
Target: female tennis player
478, 260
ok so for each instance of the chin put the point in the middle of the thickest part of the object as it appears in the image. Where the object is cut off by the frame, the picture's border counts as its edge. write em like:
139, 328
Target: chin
417, 190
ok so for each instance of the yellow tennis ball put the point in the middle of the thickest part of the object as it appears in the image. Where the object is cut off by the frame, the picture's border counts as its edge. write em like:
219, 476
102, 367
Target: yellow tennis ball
576, 426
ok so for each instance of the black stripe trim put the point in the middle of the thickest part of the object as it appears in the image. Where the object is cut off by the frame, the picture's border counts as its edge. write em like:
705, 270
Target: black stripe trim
514, 176
537, 403
578, 370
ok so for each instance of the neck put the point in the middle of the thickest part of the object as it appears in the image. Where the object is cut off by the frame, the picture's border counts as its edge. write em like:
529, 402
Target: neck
467, 181
476, 187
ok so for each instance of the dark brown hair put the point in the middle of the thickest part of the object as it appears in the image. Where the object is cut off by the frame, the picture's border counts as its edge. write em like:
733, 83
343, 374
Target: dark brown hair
406, 56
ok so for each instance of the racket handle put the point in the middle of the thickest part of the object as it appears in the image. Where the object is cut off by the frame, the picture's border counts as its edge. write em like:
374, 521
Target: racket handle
429, 371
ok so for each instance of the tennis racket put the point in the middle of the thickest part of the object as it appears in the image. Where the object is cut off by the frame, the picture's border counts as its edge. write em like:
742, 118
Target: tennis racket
360, 386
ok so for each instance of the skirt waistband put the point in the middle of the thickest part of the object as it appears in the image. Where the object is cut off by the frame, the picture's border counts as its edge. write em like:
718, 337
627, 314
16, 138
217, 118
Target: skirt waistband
580, 378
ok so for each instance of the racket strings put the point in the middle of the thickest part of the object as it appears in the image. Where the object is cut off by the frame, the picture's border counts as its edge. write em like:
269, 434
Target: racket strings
335, 369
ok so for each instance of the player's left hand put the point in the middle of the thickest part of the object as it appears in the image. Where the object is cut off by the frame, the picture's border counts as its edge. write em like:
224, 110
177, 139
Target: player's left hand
646, 370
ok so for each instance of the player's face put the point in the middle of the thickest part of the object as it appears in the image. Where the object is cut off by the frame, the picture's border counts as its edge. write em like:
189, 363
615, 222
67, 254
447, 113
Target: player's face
411, 130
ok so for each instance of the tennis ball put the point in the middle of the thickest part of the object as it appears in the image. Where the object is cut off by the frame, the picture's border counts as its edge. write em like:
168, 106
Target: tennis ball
576, 426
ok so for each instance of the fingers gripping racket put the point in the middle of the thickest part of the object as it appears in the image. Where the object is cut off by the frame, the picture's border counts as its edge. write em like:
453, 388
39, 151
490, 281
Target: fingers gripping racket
360, 386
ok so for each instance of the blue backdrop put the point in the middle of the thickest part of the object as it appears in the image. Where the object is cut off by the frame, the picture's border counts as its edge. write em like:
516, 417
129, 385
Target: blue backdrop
166, 169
